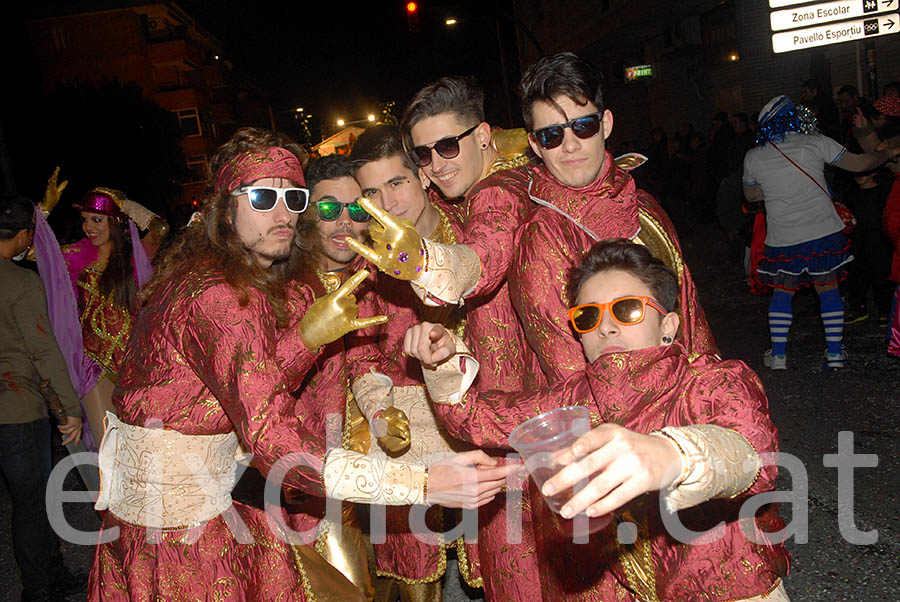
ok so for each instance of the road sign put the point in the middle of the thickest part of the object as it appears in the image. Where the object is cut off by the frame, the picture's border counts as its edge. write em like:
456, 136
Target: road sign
816, 14
783, 3
845, 31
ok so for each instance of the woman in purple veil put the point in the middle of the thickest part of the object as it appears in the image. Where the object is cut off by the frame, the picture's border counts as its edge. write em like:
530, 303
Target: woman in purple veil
92, 289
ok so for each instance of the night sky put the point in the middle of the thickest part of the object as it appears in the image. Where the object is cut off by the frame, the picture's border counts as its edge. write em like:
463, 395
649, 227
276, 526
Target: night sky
334, 59
340, 60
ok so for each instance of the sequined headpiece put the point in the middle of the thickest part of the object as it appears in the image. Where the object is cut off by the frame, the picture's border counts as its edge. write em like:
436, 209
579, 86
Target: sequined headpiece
779, 117
105, 201
272, 162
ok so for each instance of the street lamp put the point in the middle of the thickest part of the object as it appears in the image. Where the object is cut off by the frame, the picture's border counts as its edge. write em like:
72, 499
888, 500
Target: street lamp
371, 117
340, 123
449, 21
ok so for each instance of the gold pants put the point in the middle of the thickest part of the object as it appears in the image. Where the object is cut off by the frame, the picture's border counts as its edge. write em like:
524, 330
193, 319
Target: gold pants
388, 590
326, 582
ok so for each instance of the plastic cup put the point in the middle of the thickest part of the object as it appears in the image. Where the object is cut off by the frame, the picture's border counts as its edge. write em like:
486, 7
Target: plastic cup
539, 441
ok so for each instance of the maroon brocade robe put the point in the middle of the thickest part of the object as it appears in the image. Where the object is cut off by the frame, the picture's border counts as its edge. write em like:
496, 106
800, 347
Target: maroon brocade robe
645, 390
549, 246
402, 555
201, 364
491, 215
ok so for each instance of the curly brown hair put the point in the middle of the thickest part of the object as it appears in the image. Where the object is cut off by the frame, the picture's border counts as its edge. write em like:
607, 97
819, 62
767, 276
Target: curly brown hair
212, 244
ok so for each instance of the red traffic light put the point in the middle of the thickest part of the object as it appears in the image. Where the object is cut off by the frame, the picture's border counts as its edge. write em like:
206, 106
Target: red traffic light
411, 7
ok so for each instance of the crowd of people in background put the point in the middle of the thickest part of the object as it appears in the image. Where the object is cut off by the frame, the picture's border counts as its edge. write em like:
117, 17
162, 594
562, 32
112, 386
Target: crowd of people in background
435, 289
698, 176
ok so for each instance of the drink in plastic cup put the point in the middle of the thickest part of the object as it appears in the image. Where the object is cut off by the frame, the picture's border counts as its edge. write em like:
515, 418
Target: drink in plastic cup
539, 441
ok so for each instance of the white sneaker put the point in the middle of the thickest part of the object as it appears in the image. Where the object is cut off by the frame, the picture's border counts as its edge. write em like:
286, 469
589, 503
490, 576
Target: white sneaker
835, 361
774, 362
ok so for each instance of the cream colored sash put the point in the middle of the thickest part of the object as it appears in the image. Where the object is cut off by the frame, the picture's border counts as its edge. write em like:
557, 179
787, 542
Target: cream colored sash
164, 479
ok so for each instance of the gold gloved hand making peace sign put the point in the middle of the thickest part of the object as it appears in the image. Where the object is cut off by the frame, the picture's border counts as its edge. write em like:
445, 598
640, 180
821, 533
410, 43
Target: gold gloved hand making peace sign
397, 248
332, 316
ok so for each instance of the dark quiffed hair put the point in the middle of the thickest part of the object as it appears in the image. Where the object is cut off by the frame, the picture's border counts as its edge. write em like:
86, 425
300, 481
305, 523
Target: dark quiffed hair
329, 167
625, 256
211, 244
460, 95
379, 142
561, 74
16, 214
848, 89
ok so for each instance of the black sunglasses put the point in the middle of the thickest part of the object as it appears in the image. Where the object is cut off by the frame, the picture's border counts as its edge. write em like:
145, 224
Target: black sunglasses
584, 127
448, 148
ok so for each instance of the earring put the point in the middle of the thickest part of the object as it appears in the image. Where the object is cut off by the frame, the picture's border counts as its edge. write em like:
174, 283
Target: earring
667, 339
483, 146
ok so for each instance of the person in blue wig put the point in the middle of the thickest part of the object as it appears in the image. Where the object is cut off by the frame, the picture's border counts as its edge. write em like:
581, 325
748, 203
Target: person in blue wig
805, 240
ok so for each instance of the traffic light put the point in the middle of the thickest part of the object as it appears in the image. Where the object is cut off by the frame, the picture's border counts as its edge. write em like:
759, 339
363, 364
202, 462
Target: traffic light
412, 16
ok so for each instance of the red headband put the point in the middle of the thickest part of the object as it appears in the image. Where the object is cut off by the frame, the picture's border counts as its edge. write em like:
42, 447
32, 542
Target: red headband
273, 162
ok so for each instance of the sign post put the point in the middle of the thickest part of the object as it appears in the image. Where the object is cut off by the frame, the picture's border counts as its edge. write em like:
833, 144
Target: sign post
817, 14
844, 31
801, 24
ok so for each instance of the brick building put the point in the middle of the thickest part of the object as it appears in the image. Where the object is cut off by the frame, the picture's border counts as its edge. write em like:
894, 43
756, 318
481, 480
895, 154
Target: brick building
159, 47
705, 55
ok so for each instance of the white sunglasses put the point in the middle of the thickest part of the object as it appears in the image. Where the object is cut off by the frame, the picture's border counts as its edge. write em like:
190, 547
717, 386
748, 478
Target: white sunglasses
264, 198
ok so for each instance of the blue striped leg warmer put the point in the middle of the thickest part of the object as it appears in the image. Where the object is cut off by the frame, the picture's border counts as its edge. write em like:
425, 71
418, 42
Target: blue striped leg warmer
831, 307
781, 313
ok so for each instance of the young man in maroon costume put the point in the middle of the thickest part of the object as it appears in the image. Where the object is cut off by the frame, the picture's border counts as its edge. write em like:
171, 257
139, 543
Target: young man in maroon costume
528, 227
689, 432
447, 138
322, 396
223, 336
389, 388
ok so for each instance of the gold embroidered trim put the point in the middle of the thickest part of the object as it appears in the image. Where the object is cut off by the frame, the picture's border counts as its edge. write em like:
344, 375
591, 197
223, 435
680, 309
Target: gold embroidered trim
501, 163
161, 529
653, 236
330, 280
637, 560
685, 462
444, 232
94, 315
442, 560
304, 578
768, 593
758, 470
462, 559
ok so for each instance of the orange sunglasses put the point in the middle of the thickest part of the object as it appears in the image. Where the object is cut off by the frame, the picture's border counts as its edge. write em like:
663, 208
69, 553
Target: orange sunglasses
624, 310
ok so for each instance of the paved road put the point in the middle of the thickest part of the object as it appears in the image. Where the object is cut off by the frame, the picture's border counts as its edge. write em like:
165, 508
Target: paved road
809, 406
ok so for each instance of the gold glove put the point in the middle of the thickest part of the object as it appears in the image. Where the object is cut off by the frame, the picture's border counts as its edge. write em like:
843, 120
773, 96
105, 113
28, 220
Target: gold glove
52, 193
511, 142
332, 316
158, 228
392, 427
397, 248
374, 394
